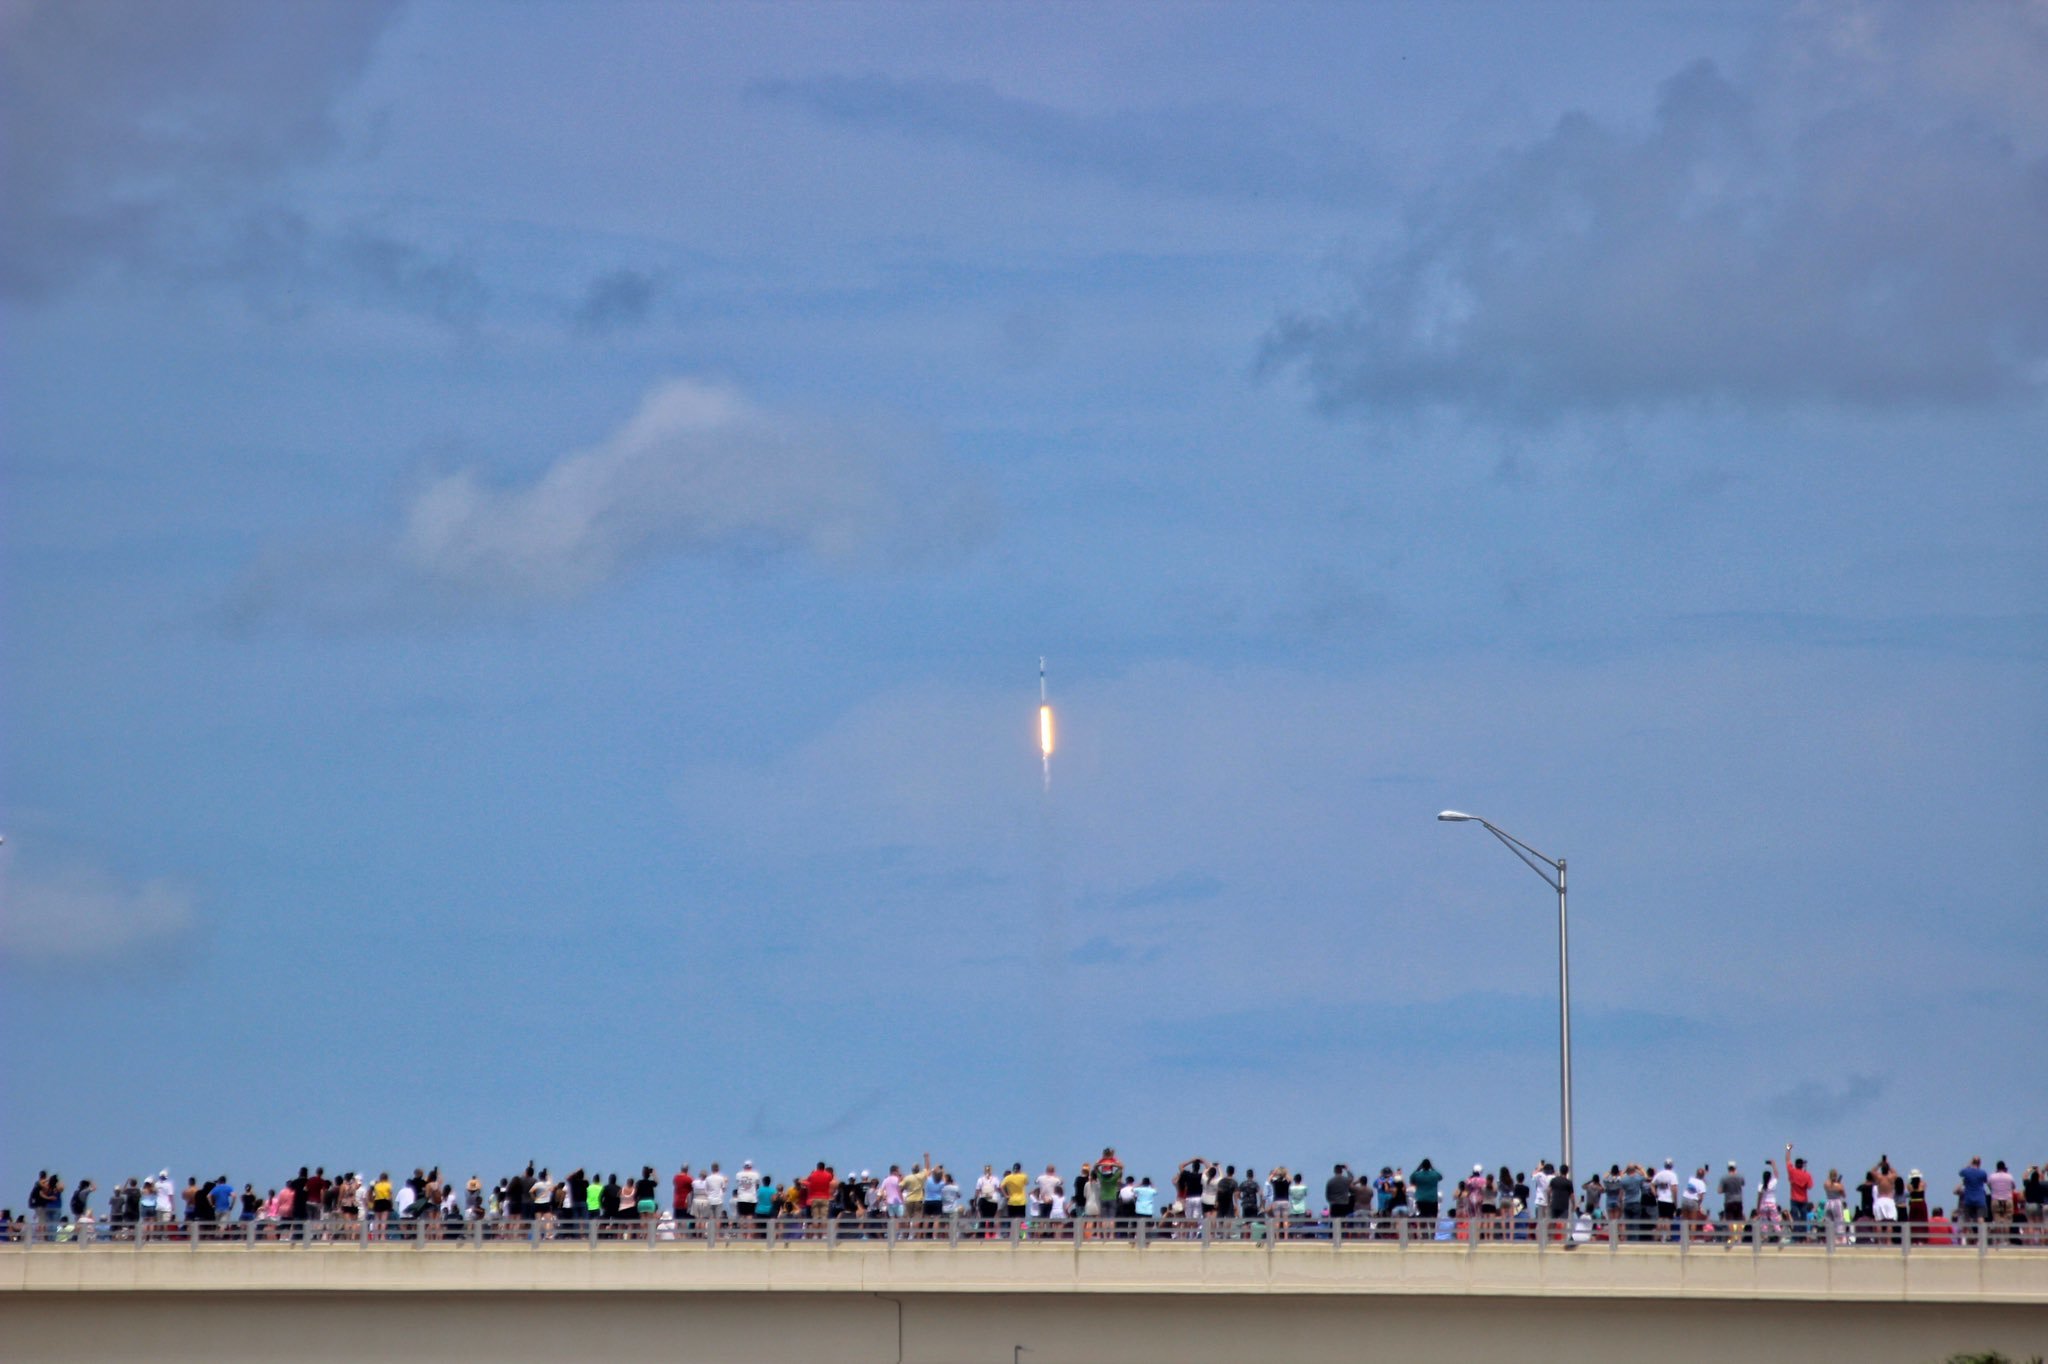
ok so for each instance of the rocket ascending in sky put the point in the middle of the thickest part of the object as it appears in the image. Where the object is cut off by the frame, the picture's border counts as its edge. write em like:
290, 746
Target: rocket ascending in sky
1044, 726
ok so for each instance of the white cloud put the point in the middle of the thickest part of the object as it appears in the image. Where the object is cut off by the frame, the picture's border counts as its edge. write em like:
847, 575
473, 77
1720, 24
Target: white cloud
698, 470
81, 914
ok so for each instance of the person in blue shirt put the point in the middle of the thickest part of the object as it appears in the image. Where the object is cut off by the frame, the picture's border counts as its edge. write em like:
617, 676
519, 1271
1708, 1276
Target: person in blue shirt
1976, 1202
1148, 1198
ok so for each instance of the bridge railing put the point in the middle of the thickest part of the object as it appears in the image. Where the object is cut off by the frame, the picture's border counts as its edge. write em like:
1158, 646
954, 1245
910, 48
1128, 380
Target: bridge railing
1533, 1235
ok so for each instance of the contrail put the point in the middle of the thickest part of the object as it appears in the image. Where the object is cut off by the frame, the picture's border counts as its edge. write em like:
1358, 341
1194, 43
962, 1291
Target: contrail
1049, 1107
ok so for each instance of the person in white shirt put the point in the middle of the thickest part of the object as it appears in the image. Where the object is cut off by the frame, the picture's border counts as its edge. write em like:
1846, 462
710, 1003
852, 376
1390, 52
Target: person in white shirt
746, 1190
712, 1186
1044, 1190
1692, 1203
1665, 1185
988, 1194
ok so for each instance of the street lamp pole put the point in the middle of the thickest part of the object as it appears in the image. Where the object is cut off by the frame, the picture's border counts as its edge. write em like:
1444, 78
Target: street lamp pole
1552, 870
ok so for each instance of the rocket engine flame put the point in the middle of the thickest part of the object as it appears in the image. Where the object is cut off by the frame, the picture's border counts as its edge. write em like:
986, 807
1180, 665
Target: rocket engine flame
1044, 727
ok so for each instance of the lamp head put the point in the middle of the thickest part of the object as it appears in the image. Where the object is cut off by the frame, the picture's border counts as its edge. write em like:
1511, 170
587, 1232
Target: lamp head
1455, 817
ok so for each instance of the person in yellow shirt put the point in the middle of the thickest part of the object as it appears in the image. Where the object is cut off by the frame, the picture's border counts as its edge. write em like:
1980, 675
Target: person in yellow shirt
1015, 1188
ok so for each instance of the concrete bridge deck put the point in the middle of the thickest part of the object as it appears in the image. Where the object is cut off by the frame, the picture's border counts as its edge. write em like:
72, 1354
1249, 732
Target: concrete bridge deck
1051, 1301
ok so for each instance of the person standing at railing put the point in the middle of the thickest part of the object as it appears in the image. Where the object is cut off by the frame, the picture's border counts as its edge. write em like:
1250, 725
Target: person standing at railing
682, 1187
644, 1200
1248, 1200
1769, 1221
1835, 1207
818, 1187
2001, 1187
1109, 1182
1145, 1200
931, 1195
1889, 1184
1799, 1187
1044, 1190
746, 1185
988, 1196
714, 1185
1225, 1195
1731, 1196
1664, 1191
1337, 1192
1975, 1199
1187, 1188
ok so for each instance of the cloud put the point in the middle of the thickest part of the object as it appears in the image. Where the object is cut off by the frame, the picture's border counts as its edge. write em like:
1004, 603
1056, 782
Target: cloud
1817, 1101
616, 300
282, 260
1851, 223
79, 914
148, 135
1186, 887
697, 470
1204, 151
764, 1126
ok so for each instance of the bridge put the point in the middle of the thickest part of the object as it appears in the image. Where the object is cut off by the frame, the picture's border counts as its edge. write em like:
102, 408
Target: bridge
1022, 1302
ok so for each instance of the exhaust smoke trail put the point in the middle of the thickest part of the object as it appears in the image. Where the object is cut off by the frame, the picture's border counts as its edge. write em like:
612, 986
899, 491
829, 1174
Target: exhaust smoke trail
1053, 1040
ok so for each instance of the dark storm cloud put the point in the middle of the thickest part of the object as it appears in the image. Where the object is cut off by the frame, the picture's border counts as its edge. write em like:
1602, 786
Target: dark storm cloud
1819, 1101
126, 128
1837, 238
1208, 151
616, 300
283, 263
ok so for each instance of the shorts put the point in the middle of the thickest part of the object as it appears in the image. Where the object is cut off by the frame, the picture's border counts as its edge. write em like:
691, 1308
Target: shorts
934, 1207
1013, 1209
648, 1205
1665, 1211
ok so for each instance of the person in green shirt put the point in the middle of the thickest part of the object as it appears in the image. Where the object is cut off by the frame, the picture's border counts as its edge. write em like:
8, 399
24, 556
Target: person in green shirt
1109, 1178
1425, 1181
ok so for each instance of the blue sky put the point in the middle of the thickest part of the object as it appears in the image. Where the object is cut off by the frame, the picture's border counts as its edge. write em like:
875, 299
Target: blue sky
529, 530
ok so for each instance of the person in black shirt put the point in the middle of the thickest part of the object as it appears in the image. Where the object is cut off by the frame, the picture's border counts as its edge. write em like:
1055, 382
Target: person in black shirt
1338, 1192
1226, 1193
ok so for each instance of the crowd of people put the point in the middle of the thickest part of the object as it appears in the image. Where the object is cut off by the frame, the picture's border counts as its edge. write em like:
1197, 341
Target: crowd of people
1645, 1201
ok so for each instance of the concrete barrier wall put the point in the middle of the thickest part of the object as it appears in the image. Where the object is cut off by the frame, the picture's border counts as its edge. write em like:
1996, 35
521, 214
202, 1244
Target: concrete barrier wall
917, 1304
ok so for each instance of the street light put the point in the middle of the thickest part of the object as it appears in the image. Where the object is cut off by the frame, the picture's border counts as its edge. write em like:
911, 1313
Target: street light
1538, 863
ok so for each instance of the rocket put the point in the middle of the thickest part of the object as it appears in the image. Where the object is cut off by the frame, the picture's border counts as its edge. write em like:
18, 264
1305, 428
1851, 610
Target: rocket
1044, 725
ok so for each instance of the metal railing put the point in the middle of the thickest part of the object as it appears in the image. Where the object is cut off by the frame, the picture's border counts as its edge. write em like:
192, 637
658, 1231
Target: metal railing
967, 1229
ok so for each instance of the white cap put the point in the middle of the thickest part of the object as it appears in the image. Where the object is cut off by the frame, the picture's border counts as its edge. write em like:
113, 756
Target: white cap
1477, 1169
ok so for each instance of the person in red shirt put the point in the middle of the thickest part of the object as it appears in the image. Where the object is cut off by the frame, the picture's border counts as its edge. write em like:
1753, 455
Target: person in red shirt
1799, 1182
818, 1190
682, 1184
